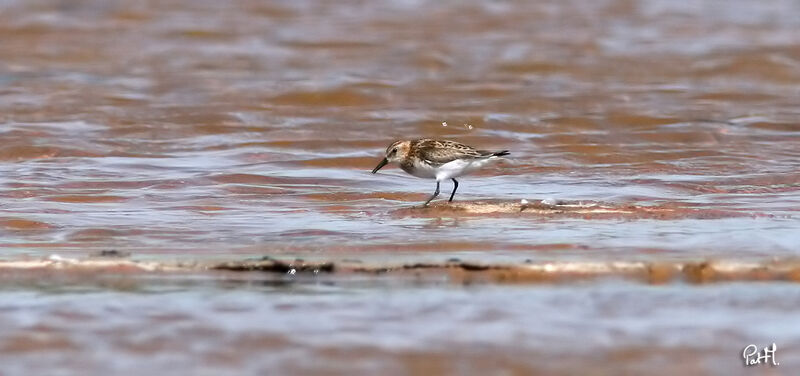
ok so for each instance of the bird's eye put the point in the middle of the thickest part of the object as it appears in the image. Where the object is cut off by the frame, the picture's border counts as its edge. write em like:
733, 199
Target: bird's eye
394, 151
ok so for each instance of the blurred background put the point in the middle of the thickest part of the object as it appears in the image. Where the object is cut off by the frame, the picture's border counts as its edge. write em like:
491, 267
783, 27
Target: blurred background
193, 130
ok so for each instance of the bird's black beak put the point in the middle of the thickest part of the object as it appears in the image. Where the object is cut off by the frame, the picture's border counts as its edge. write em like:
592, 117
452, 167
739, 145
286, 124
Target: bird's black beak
384, 162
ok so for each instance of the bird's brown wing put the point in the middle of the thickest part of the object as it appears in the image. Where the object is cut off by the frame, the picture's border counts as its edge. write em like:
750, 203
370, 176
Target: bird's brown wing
439, 152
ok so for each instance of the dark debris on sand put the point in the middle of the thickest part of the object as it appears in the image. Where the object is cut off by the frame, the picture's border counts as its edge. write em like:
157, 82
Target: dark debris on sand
268, 264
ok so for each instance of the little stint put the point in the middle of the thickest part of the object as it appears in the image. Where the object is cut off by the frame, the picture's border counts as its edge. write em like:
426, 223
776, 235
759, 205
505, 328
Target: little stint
437, 159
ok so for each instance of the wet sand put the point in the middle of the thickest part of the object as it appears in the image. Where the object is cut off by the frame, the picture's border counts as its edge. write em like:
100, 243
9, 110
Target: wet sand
152, 154
452, 270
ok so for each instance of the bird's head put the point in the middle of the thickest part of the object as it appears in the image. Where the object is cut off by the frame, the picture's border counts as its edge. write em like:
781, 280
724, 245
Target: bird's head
396, 152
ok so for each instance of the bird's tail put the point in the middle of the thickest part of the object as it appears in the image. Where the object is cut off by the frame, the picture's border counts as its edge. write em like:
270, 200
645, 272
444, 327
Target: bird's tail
500, 153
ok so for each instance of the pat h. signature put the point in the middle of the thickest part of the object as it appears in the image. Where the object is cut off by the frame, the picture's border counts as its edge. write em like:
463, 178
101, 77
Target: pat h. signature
752, 356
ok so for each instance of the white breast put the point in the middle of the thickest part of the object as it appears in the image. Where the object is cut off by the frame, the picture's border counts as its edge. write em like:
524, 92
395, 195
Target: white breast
421, 170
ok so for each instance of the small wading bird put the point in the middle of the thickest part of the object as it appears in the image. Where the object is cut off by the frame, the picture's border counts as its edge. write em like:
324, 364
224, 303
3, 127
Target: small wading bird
437, 159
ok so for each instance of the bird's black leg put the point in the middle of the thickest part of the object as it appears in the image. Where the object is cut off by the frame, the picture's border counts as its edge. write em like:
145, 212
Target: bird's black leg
455, 186
436, 193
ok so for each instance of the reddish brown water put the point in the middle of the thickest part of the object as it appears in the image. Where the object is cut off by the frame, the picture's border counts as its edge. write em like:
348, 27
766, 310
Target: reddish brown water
231, 129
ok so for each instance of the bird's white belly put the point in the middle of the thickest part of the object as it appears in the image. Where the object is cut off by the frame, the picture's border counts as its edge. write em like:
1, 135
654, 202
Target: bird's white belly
458, 167
449, 170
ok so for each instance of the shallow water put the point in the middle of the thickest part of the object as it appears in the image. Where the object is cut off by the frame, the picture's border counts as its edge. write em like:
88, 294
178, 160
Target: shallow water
200, 326
188, 130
